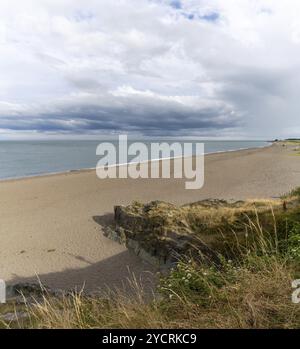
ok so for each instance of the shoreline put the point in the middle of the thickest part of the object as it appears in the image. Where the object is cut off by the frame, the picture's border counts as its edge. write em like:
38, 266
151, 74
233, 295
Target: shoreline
90, 169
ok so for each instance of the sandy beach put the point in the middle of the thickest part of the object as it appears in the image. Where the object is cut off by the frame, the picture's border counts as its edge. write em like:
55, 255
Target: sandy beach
51, 225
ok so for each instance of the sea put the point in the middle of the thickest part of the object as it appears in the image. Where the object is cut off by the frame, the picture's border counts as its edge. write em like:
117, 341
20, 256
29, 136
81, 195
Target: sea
20, 159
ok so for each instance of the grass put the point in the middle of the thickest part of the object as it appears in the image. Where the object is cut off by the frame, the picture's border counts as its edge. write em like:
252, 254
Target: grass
294, 141
291, 141
249, 287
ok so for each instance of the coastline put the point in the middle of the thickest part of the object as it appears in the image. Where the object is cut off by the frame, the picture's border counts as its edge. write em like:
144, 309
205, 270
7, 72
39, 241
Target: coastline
52, 226
90, 169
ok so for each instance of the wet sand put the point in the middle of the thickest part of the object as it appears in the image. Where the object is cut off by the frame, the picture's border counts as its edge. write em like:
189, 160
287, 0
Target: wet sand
51, 226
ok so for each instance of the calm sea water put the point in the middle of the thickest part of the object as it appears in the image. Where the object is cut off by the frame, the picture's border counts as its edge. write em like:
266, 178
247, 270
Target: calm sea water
30, 158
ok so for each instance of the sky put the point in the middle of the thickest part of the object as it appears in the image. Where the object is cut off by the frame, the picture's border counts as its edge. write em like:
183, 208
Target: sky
193, 68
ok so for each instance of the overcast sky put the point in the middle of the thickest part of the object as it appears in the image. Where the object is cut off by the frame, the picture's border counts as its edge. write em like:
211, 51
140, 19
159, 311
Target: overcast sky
211, 68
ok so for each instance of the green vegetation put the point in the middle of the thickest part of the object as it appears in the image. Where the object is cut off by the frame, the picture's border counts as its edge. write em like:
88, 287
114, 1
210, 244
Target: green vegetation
293, 140
248, 286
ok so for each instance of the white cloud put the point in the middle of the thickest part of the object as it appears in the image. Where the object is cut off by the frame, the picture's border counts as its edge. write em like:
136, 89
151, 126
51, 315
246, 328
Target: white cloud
201, 67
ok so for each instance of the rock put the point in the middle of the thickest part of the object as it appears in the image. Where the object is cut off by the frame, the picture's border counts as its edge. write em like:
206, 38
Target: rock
161, 232
31, 293
158, 232
117, 235
10, 317
26, 289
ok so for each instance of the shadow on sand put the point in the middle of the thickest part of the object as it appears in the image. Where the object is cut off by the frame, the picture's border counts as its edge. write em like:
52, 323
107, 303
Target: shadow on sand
113, 272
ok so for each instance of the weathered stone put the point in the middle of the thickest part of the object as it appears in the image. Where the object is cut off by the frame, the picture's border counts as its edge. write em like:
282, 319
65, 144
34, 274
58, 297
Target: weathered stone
11, 317
26, 289
21, 293
158, 232
117, 235
161, 232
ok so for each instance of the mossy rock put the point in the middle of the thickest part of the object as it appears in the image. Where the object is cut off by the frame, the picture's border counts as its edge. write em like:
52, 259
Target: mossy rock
165, 230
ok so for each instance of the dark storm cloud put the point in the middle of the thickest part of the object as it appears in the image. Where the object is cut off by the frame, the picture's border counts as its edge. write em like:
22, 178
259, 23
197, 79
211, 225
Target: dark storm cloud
141, 115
